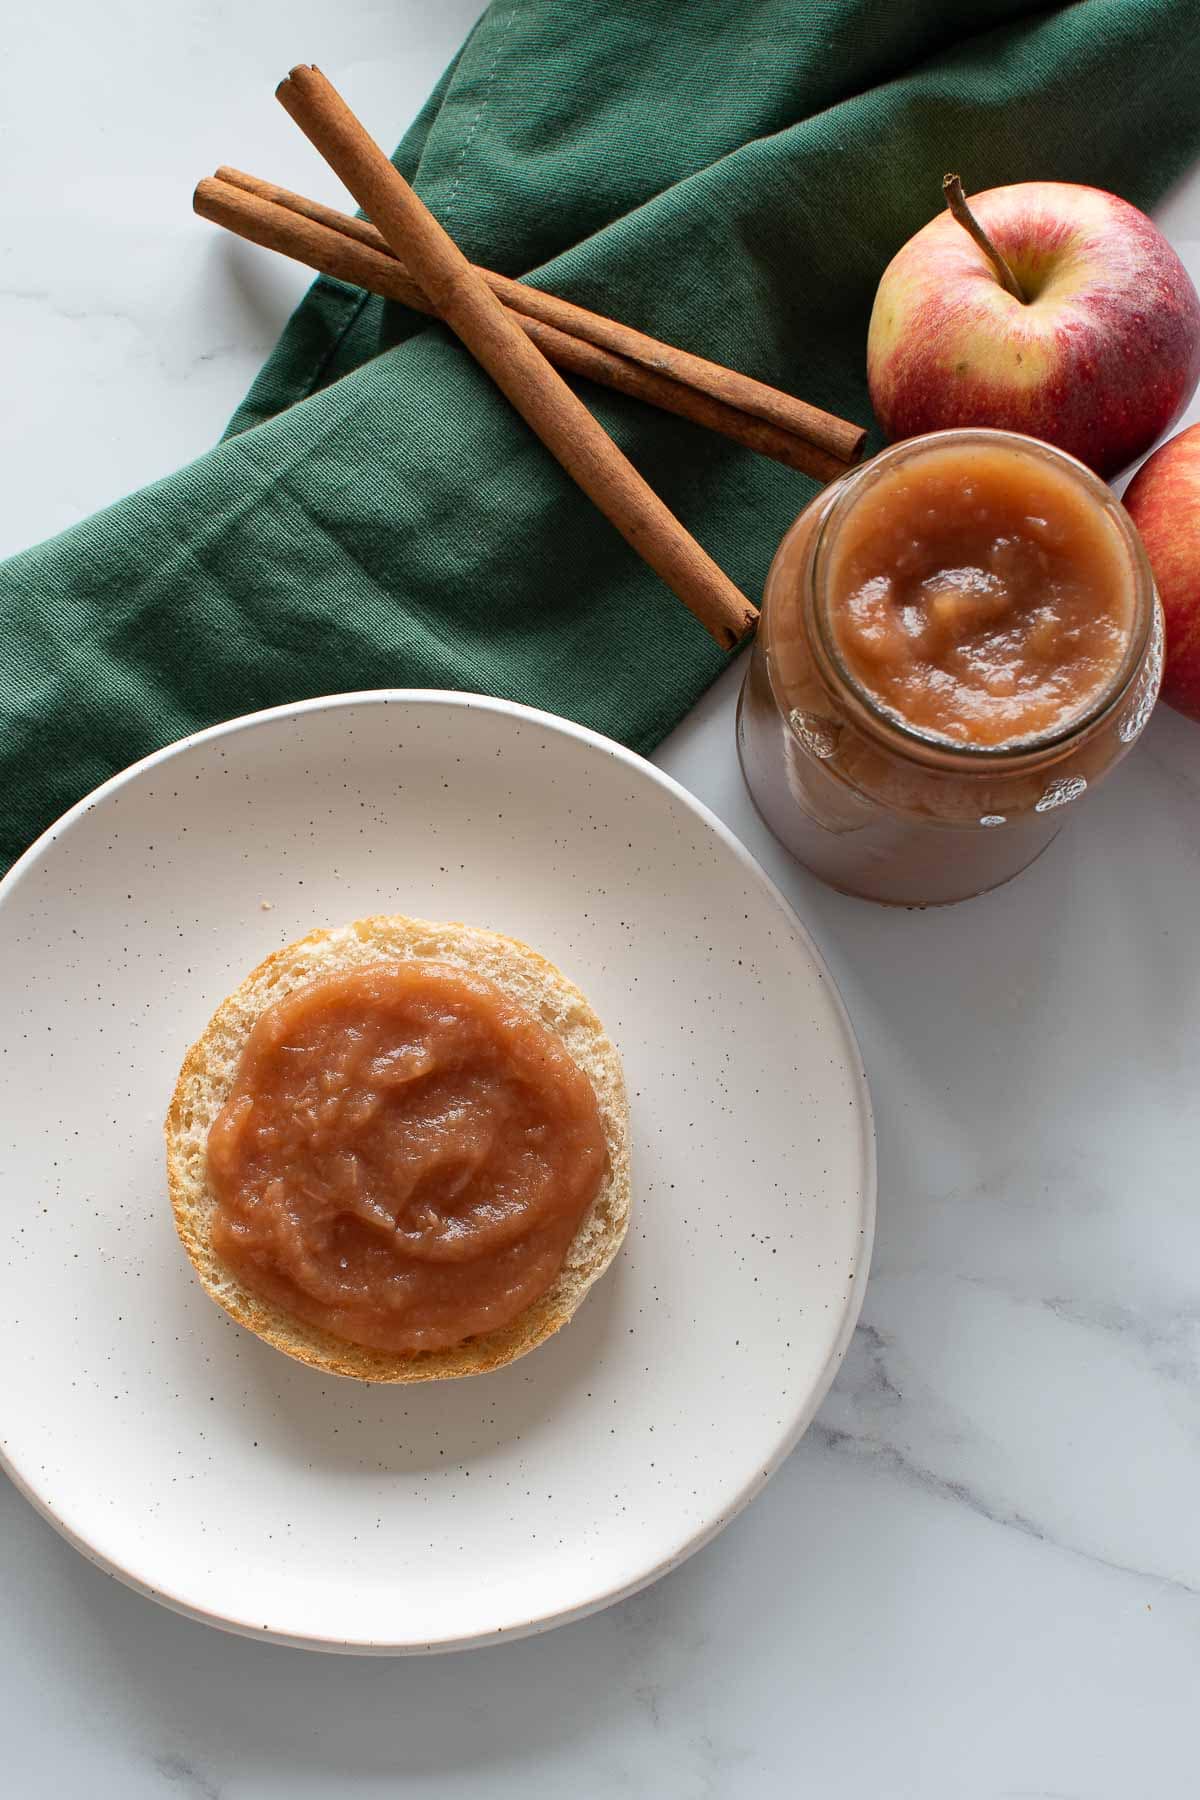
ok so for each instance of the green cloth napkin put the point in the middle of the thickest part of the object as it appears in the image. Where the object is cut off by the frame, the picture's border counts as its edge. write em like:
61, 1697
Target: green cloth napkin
730, 177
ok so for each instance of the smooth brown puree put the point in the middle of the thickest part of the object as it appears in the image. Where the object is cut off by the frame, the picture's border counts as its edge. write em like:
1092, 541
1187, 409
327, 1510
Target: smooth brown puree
404, 1158
979, 596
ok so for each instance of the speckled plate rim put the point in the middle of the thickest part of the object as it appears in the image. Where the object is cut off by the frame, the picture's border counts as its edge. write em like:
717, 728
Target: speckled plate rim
705, 1533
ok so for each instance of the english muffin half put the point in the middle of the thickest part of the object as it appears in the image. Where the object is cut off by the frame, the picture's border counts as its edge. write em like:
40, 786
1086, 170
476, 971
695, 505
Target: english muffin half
208, 1076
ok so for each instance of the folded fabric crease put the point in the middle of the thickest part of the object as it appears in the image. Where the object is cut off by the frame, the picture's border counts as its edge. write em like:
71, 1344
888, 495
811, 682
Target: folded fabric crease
730, 179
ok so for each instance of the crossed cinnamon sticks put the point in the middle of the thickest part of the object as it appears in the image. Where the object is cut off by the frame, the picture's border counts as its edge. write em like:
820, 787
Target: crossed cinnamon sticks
581, 342
516, 332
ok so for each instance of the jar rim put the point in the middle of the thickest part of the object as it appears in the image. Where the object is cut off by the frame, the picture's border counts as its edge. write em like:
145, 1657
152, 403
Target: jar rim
927, 745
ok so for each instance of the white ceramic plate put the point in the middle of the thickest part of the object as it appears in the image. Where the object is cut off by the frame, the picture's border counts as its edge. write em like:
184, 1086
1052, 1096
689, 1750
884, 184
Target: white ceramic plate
209, 1471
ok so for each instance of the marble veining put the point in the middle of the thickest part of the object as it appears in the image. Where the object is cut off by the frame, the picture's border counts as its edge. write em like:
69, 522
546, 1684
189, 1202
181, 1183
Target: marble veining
186, 1776
867, 1397
976, 1578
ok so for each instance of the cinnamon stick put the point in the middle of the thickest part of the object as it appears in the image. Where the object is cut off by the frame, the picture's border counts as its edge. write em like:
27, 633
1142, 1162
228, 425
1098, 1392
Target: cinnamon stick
838, 439
467, 304
337, 244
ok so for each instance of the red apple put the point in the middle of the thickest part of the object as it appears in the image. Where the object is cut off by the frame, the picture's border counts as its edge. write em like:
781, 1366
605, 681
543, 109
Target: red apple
1164, 501
1099, 354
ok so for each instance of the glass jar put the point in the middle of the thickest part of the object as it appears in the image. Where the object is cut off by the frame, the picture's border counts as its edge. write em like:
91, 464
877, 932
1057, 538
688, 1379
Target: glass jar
872, 804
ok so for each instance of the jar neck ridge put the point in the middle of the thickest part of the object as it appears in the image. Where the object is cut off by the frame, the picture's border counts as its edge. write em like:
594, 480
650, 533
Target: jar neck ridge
902, 739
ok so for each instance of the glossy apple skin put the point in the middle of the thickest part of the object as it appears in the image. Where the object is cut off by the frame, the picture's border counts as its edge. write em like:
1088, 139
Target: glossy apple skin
1100, 361
1163, 500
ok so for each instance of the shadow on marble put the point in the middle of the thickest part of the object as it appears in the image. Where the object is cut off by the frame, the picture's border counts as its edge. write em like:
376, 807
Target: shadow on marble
665, 1674
214, 1712
254, 291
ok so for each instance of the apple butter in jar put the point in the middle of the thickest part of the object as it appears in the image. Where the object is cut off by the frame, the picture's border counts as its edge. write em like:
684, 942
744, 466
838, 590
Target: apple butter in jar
957, 641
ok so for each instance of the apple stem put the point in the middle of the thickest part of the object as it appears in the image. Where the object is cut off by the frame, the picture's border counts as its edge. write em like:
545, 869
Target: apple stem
956, 200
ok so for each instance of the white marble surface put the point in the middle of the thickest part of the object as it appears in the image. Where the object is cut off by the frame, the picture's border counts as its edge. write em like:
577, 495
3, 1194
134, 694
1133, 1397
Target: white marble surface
978, 1577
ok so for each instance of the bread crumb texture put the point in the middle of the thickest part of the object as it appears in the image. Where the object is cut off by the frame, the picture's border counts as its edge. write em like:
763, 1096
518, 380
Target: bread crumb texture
207, 1077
